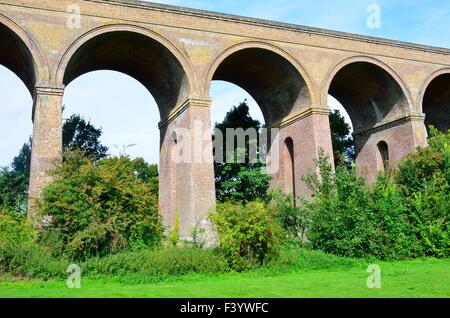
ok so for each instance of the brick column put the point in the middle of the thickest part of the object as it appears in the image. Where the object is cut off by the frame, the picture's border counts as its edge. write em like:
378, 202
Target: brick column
309, 132
47, 141
402, 136
186, 170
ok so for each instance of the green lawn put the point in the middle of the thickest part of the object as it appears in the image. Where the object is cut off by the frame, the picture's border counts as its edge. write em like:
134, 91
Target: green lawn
417, 278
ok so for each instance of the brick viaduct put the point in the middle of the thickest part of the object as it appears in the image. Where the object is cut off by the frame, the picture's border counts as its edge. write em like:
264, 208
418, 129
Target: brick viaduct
390, 89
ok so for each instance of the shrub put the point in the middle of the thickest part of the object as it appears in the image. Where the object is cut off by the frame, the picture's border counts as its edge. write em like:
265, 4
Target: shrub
341, 220
14, 230
149, 266
33, 262
99, 208
248, 233
404, 214
294, 219
424, 180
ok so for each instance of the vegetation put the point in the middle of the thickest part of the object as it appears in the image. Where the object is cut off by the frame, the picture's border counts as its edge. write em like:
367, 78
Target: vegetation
78, 134
404, 214
342, 140
102, 213
317, 275
240, 181
100, 208
249, 235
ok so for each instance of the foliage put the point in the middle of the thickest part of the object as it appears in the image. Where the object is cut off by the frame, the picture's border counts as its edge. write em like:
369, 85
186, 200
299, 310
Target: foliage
32, 261
21, 163
293, 218
14, 230
248, 233
148, 266
236, 180
404, 214
100, 208
13, 190
424, 180
78, 134
342, 140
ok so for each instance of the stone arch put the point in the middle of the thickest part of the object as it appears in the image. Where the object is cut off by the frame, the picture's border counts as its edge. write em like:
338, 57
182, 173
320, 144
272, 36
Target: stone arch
21, 55
170, 80
435, 100
392, 107
241, 64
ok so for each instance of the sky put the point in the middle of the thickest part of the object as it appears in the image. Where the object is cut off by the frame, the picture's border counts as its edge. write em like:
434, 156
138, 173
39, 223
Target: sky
126, 111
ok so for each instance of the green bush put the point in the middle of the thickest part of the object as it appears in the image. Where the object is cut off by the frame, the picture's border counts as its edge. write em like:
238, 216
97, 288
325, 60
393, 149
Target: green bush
424, 180
99, 208
32, 262
404, 214
143, 266
149, 266
342, 222
294, 219
248, 233
15, 230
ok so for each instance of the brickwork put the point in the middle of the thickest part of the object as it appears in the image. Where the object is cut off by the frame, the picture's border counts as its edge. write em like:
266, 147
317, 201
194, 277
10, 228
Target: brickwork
177, 52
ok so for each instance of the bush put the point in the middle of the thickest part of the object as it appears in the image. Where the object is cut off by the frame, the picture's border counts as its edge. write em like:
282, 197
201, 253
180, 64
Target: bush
404, 214
33, 262
342, 222
15, 230
248, 233
294, 219
424, 180
99, 208
149, 266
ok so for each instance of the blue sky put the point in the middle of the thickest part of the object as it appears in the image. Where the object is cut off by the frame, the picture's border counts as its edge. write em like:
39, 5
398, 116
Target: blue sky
127, 112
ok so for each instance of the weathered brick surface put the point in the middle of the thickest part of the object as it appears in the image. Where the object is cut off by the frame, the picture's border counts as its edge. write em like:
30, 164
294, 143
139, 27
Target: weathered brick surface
177, 52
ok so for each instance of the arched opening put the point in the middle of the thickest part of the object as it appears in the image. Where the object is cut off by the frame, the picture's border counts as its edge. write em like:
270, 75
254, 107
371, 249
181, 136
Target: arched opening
276, 89
15, 115
16, 56
372, 96
341, 128
275, 84
154, 63
289, 170
123, 109
436, 103
17, 81
383, 156
139, 56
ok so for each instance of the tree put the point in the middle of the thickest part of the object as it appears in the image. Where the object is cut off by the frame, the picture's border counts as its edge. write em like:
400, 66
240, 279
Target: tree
342, 140
21, 163
99, 208
240, 181
78, 134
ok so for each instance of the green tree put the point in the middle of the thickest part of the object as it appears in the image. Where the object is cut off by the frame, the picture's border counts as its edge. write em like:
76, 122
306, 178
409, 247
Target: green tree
234, 180
342, 140
79, 134
21, 163
99, 207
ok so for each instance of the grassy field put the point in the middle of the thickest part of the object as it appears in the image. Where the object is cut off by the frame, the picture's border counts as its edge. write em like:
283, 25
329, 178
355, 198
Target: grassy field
412, 279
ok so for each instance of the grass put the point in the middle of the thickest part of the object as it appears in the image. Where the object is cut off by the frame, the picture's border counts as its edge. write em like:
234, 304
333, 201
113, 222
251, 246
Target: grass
310, 277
